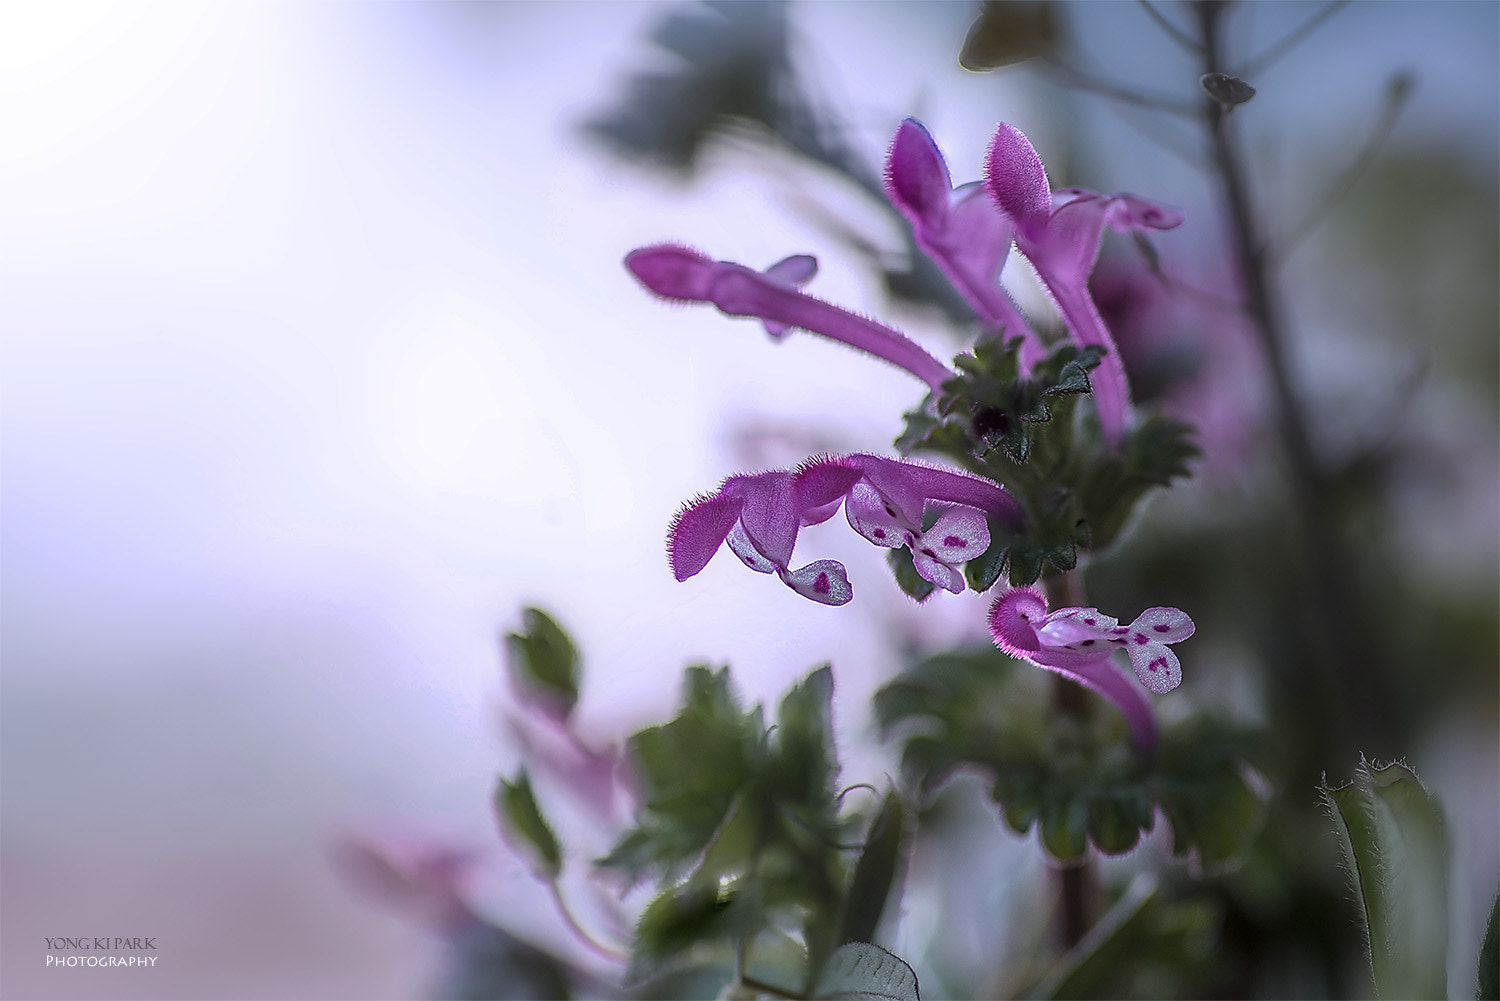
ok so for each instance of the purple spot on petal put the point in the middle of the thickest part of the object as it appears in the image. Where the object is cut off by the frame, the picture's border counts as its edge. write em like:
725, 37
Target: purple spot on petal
1120, 630
821, 585
929, 552
879, 533
1090, 622
1156, 664
954, 541
1162, 627
1141, 639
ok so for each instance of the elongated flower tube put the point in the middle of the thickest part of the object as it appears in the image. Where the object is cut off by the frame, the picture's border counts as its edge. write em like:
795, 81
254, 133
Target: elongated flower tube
960, 229
1059, 232
1080, 643
684, 274
759, 515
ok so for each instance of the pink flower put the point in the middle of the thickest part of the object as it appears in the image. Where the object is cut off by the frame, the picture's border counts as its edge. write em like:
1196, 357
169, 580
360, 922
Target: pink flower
1080, 643
1059, 232
885, 500
960, 229
681, 273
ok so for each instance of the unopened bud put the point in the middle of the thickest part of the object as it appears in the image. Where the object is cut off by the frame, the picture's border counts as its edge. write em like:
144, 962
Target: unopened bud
1227, 90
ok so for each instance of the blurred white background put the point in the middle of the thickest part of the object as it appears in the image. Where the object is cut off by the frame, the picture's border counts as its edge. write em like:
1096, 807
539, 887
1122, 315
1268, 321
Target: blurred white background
318, 363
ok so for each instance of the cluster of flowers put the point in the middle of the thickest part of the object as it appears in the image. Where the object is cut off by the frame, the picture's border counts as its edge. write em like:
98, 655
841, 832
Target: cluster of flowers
968, 232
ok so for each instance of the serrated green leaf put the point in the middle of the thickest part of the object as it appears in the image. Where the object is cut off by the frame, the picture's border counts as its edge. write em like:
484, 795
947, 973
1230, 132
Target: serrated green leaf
874, 873
984, 570
690, 770
1394, 843
859, 971
544, 660
524, 828
1072, 379
1114, 825
1024, 565
1065, 825
916, 586
804, 762
684, 916
1081, 779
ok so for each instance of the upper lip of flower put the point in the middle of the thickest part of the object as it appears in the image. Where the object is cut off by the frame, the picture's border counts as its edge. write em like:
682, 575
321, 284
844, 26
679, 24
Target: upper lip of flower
1059, 232
961, 230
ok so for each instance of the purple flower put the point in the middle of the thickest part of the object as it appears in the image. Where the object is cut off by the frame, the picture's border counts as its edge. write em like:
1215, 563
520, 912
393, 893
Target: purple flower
1080, 643
885, 500
681, 273
1059, 232
961, 230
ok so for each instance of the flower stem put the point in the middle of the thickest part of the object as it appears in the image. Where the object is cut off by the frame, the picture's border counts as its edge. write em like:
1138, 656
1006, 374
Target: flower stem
1075, 883
607, 951
1338, 639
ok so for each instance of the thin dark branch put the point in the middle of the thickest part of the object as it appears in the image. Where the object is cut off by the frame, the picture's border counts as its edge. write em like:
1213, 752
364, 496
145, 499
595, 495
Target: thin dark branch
1346, 180
1281, 48
1097, 85
1194, 156
1341, 640
1173, 32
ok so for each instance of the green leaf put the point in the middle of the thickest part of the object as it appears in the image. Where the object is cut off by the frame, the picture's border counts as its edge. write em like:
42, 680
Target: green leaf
1008, 32
690, 770
874, 873
803, 762
1488, 978
544, 660
1065, 825
916, 586
984, 570
859, 971
1394, 843
684, 916
1079, 781
523, 826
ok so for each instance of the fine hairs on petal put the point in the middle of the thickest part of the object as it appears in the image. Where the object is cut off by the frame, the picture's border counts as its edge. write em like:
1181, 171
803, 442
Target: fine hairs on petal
1016, 178
672, 271
699, 529
916, 177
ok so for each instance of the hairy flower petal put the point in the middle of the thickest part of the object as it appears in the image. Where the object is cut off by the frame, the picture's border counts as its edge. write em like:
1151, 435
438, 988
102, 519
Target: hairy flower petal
959, 534
742, 547
1016, 178
770, 516
1059, 232
698, 531
961, 230
672, 271
916, 177
822, 580
1080, 642
870, 516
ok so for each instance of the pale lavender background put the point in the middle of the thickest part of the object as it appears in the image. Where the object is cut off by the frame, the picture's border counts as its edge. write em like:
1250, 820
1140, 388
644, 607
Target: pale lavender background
318, 362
